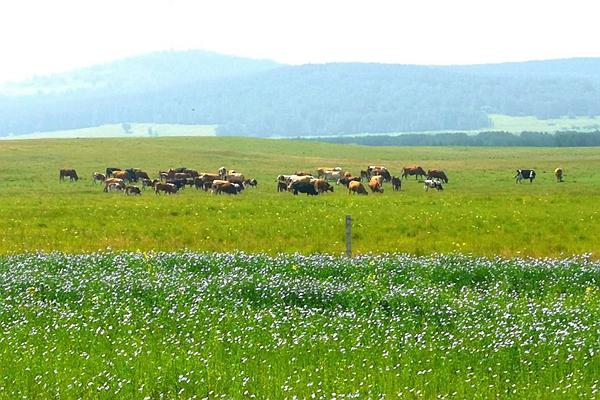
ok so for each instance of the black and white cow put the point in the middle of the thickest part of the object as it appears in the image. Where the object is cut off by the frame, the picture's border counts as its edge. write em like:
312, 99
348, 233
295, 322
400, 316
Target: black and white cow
433, 184
524, 174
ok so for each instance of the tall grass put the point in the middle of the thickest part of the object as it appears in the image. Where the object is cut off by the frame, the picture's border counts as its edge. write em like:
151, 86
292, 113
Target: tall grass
193, 325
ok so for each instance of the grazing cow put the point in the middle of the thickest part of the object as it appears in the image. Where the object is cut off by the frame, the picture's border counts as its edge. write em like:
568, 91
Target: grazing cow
524, 174
356, 187
321, 185
235, 178
221, 186
437, 174
165, 187
396, 183
376, 184
110, 170
347, 179
113, 181
375, 170
417, 171
558, 173
115, 186
132, 190
122, 175
303, 187
98, 177
365, 175
67, 173
433, 184
250, 182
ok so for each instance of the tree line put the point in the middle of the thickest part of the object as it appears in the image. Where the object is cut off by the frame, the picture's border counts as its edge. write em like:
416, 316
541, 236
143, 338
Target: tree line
496, 139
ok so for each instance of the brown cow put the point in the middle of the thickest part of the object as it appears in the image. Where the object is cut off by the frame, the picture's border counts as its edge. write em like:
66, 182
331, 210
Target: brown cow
221, 186
376, 184
122, 175
415, 170
235, 178
375, 170
437, 174
165, 187
70, 173
321, 185
356, 187
396, 183
111, 182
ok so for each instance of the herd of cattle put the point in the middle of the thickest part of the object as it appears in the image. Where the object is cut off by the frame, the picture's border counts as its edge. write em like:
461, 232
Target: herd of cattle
232, 182
374, 177
169, 181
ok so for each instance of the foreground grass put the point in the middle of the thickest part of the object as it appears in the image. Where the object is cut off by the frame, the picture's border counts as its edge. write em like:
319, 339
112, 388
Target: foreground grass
186, 325
482, 211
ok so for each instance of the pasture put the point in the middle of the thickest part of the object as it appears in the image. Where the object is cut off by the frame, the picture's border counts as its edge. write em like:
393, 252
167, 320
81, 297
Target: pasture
481, 211
188, 325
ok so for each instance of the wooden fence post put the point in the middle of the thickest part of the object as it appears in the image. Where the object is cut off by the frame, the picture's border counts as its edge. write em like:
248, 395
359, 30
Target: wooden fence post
348, 236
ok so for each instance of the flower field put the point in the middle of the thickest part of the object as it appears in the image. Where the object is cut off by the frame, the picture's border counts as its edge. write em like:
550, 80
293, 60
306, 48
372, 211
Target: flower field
198, 325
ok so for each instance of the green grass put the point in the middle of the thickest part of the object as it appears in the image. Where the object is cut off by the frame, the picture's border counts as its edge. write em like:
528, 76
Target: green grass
482, 211
116, 130
179, 325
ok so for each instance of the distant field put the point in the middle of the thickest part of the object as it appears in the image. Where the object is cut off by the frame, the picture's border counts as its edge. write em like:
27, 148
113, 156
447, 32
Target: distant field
482, 211
509, 123
117, 130
499, 122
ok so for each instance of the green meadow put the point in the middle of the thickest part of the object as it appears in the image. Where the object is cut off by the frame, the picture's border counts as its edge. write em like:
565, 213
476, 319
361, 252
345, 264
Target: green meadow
481, 211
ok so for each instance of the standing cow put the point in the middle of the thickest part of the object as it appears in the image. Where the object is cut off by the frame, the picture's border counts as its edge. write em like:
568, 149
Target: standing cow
524, 174
558, 173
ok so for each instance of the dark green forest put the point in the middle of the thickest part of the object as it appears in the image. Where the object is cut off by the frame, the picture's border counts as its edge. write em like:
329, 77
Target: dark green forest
495, 139
262, 98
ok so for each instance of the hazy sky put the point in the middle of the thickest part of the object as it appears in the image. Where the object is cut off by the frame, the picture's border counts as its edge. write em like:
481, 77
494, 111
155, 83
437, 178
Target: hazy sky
44, 36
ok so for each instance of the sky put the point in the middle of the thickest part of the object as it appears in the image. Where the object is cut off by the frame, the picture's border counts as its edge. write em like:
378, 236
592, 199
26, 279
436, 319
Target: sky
39, 37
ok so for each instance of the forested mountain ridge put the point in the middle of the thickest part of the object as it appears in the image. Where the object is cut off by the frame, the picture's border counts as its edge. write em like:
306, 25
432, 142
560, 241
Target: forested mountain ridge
262, 98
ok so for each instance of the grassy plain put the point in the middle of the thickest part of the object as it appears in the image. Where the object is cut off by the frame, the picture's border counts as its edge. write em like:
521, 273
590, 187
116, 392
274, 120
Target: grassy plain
482, 211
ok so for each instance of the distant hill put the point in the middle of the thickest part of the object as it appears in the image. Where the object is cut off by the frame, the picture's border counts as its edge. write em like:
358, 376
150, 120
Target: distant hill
263, 98
141, 74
